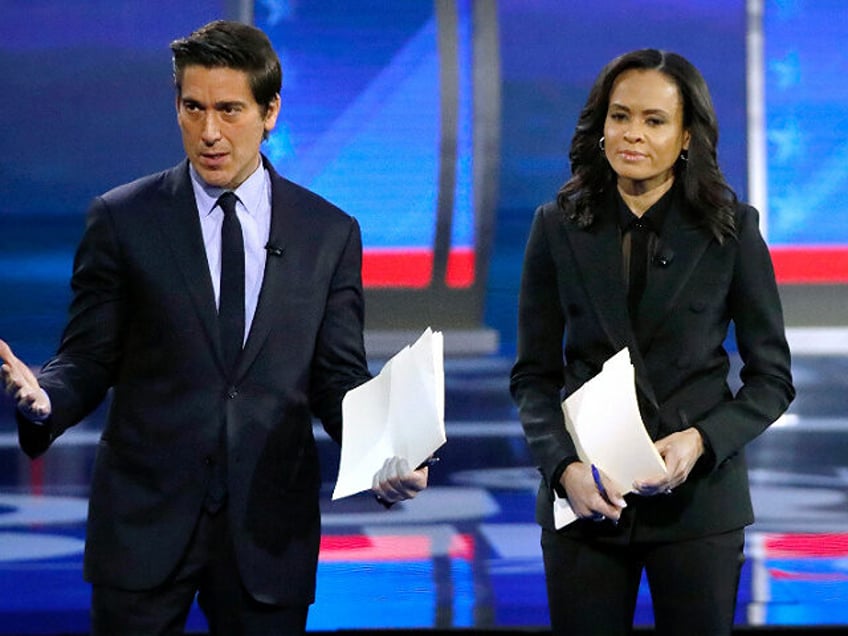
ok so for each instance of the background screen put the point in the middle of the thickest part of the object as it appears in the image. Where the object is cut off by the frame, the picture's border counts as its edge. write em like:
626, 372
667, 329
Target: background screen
439, 125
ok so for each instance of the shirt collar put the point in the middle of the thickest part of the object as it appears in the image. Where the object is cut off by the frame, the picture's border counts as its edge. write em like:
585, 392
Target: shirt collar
250, 192
654, 216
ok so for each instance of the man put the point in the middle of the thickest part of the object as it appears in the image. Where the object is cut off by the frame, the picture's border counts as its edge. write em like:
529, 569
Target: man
206, 478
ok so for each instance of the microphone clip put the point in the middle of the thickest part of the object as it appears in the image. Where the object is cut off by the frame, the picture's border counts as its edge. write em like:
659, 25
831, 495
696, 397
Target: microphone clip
663, 257
273, 250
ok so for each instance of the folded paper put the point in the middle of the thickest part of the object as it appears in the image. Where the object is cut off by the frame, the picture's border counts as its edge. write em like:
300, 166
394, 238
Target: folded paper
398, 413
603, 419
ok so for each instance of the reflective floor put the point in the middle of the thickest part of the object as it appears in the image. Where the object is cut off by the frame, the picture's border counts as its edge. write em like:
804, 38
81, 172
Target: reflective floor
465, 553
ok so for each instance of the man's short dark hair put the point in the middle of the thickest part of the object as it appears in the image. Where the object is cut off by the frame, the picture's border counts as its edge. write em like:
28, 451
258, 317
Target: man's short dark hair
225, 44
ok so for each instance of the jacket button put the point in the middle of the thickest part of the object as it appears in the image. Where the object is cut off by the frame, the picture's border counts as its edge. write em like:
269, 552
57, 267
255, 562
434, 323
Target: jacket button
208, 460
232, 392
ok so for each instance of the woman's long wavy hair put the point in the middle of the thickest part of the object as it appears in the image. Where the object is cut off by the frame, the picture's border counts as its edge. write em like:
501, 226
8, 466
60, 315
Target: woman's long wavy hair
707, 194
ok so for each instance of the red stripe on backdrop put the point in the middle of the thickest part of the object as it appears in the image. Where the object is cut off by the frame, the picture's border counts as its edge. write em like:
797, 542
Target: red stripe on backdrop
461, 271
794, 546
36, 476
413, 268
407, 267
811, 264
361, 548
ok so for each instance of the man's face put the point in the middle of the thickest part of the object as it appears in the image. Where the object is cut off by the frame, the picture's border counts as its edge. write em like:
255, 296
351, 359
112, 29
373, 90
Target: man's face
222, 124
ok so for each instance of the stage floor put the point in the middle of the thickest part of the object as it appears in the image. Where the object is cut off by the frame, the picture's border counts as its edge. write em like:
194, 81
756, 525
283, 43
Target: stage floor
466, 552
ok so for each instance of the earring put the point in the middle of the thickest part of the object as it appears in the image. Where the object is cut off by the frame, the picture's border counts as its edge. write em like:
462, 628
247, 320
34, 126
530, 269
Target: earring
684, 155
601, 144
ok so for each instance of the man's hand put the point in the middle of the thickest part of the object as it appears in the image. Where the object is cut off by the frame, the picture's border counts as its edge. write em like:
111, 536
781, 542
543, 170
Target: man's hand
21, 384
396, 481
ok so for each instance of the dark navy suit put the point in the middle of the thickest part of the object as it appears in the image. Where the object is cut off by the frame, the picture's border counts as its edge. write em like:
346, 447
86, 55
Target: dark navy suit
143, 322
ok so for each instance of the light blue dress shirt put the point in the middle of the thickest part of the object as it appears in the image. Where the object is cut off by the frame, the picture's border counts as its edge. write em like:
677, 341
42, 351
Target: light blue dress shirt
254, 213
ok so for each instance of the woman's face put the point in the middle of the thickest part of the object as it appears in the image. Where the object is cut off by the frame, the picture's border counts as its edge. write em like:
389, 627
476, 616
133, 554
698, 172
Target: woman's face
643, 131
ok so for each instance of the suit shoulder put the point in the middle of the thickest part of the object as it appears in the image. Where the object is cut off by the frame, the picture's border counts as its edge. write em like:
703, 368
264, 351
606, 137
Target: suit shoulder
747, 219
553, 217
147, 186
745, 211
548, 208
550, 211
308, 202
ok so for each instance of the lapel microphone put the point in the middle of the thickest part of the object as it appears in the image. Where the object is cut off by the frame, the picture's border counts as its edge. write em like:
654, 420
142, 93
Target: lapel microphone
663, 257
273, 250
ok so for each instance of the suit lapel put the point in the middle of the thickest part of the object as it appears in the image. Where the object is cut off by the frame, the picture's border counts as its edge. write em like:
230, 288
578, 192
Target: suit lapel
686, 243
179, 222
597, 251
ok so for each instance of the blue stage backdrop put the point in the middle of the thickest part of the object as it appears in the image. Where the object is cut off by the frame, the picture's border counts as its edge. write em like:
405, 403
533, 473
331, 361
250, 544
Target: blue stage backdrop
440, 125
806, 109
385, 113
551, 52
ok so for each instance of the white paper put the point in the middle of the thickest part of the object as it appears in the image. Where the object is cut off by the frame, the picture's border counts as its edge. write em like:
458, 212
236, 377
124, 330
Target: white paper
603, 419
398, 413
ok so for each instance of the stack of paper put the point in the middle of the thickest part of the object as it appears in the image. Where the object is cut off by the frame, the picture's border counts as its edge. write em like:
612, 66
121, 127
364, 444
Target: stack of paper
399, 413
603, 419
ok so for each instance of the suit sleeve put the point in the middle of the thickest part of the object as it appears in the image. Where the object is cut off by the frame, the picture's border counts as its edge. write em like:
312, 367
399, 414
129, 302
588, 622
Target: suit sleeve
756, 311
339, 363
537, 377
78, 377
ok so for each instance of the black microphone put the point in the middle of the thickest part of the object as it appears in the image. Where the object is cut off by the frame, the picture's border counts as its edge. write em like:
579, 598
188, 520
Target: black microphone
662, 256
273, 250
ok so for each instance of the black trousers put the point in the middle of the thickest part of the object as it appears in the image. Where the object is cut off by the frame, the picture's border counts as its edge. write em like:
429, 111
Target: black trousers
592, 586
209, 571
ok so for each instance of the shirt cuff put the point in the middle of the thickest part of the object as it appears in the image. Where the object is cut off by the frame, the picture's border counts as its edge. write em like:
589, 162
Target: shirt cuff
39, 421
709, 457
556, 476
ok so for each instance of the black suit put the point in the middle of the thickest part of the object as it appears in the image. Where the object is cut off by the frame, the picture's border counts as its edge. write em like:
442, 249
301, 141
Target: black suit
572, 292
143, 322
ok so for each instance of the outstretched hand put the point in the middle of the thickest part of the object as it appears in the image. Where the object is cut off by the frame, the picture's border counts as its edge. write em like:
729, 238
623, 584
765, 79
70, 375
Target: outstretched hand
22, 385
396, 481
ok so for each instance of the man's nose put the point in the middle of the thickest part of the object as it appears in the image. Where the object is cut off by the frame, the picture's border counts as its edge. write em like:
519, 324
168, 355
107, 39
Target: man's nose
211, 130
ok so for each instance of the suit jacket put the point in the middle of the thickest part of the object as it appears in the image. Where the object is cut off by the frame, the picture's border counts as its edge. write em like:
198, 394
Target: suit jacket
573, 316
143, 322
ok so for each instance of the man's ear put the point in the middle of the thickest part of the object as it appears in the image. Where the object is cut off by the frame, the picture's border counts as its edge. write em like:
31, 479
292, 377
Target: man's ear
272, 113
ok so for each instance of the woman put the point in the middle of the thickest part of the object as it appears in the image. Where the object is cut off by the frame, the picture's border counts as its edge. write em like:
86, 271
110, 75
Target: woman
646, 247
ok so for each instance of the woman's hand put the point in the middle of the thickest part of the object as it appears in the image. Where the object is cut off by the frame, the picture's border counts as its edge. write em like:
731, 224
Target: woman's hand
680, 451
586, 499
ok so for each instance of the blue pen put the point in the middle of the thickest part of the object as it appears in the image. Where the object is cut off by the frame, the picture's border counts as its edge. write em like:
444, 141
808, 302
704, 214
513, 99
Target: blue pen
596, 475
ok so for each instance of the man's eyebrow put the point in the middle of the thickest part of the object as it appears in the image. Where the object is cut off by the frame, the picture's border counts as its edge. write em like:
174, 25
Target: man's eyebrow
230, 103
